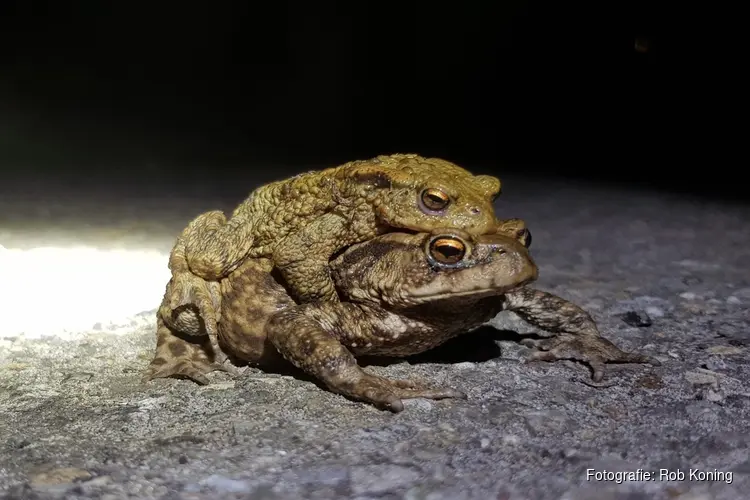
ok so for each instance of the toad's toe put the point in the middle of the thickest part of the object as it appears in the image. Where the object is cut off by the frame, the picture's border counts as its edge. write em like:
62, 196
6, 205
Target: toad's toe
387, 393
593, 350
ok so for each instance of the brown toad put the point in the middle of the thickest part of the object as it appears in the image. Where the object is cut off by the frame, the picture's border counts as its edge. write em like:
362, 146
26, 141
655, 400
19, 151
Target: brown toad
300, 223
401, 294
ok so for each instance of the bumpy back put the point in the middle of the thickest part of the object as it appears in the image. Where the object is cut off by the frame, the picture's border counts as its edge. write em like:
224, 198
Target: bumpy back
423, 194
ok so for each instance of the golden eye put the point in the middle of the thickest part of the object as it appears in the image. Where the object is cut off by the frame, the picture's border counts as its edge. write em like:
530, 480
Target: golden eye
434, 199
447, 250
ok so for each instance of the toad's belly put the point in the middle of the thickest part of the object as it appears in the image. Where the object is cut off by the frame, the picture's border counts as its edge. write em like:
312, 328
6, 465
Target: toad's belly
249, 297
384, 333
397, 336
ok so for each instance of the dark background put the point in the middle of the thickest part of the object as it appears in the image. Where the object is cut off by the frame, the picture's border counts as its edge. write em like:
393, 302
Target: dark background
117, 95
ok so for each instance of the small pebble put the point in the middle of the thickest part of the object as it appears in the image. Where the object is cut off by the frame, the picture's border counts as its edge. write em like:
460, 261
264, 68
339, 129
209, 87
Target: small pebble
466, 365
654, 312
59, 476
18, 443
691, 280
547, 422
715, 363
418, 403
511, 439
688, 295
714, 396
637, 318
223, 484
733, 300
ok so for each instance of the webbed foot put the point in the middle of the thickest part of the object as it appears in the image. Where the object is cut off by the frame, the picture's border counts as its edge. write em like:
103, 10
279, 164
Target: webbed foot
178, 357
387, 393
193, 370
593, 350
191, 307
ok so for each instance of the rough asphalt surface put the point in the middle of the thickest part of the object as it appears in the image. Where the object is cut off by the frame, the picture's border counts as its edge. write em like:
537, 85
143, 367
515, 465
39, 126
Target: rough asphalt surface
660, 274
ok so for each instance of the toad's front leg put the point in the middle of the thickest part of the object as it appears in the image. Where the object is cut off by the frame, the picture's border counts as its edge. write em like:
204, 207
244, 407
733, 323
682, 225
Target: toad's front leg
303, 258
577, 335
307, 341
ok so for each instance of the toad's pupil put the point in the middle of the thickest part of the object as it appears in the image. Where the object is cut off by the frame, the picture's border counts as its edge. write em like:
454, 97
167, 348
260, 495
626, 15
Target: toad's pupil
448, 251
435, 199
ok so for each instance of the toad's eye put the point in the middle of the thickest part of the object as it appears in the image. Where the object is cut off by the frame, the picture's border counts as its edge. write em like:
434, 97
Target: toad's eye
447, 250
434, 199
525, 238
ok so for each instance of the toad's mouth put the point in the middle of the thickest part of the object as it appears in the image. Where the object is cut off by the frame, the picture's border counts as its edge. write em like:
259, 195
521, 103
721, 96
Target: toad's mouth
477, 293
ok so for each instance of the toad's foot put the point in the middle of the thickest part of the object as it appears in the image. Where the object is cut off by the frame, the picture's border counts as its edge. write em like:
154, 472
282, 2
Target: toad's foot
178, 357
387, 393
592, 350
227, 366
188, 320
193, 370
191, 308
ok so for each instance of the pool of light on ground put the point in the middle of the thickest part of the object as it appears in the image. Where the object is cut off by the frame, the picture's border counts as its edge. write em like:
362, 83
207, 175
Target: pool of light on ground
65, 292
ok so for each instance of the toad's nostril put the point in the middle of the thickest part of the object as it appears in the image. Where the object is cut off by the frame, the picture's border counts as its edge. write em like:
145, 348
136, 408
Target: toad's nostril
475, 210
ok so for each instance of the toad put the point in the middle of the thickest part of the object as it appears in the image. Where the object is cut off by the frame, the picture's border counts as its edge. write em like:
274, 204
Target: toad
298, 224
401, 294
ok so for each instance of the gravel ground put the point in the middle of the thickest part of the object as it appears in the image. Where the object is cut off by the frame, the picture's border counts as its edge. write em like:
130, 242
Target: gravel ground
661, 274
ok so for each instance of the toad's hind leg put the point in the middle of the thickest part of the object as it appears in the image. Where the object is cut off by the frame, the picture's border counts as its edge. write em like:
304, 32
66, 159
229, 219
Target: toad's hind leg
191, 304
305, 343
178, 357
191, 307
